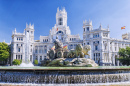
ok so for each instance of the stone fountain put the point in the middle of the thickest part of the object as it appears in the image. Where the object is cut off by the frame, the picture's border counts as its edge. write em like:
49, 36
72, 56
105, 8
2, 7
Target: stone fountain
74, 57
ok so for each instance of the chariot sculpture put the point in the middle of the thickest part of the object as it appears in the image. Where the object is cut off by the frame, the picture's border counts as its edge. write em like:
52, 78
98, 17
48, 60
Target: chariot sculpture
60, 52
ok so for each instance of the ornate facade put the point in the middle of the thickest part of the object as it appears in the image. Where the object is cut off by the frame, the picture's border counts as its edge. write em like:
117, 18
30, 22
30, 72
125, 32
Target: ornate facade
104, 49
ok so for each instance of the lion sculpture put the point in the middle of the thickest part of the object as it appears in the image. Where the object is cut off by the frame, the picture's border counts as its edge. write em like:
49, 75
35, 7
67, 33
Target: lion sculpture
79, 51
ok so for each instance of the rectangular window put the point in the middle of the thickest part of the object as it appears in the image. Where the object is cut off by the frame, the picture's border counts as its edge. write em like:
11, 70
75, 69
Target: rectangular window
21, 44
31, 32
105, 47
44, 57
96, 47
17, 44
16, 56
36, 51
36, 58
98, 35
45, 50
87, 28
19, 50
84, 29
31, 58
40, 58
21, 57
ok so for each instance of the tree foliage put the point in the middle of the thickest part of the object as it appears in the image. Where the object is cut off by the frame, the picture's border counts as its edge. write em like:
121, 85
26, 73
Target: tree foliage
124, 56
4, 51
17, 62
35, 62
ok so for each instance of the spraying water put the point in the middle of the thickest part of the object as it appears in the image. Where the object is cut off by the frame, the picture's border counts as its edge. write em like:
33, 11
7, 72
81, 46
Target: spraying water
27, 63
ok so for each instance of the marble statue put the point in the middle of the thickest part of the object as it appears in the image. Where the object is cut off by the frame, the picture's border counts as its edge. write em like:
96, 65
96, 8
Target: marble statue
74, 57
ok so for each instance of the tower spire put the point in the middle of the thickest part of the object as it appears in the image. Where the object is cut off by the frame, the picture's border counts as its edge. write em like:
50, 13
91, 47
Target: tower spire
58, 9
15, 30
108, 27
100, 27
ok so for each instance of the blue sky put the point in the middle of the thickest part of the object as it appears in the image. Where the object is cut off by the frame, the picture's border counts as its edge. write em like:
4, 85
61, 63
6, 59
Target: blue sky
42, 13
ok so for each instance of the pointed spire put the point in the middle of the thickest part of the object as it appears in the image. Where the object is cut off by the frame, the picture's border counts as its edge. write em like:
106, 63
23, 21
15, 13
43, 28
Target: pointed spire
63, 9
58, 9
24, 31
108, 26
30, 24
15, 30
50, 31
33, 24
26, 24
100, 26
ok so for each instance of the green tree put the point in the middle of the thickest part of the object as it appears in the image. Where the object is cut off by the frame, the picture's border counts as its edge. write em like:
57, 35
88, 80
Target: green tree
17, 62
4, 51
35, 62
124, 56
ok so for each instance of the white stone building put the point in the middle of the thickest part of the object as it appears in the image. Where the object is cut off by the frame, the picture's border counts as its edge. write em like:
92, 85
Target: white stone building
103, 48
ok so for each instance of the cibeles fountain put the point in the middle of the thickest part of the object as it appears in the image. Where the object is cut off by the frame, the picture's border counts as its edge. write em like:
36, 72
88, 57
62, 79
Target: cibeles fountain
74, 69
74, 57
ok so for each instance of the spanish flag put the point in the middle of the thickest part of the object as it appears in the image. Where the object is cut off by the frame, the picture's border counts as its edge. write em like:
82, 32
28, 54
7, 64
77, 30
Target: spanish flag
122, 27
65, 47
57, 29
53, 48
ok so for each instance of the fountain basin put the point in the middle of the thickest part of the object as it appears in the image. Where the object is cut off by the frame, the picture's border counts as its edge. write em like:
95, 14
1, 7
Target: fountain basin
61, 75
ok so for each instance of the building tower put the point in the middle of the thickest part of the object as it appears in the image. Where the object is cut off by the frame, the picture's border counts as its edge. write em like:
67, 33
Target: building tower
61, 17
87, 27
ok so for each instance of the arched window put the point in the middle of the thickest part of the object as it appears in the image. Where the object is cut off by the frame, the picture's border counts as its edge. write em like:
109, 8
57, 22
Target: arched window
60, 21
87, 28
59, 32
19, 50
84, 29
